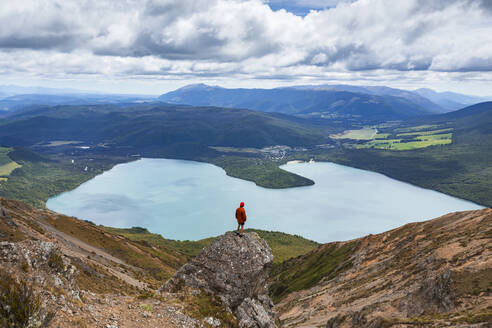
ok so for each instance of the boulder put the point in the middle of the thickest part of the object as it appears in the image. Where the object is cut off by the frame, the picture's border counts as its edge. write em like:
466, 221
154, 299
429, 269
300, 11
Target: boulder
234, 269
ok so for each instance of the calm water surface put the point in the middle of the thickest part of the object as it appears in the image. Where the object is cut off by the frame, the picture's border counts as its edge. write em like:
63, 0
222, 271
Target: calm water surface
191, 200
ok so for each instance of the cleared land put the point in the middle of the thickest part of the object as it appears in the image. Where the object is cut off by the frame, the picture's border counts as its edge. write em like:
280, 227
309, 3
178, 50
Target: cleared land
402, 144
56, 143
417, 128
6, 164
365, 133
408, 138
424, 133
382, 135
6, 169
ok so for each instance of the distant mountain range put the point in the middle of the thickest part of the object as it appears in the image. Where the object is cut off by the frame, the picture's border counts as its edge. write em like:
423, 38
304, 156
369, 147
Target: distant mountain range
371, 103
362, 104
16, 103
12, 90
14, 98
450, 100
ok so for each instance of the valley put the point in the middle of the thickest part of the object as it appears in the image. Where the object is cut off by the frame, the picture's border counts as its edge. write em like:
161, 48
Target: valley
65, 148
408, 151
246, 164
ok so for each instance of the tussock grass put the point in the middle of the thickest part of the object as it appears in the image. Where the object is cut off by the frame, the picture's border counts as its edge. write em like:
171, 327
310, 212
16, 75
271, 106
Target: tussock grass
284, 246
307, 270
20, 306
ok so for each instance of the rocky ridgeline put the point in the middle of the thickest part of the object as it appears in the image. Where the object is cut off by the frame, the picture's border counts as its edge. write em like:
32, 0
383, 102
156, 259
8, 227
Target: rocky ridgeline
234, 269
436, 273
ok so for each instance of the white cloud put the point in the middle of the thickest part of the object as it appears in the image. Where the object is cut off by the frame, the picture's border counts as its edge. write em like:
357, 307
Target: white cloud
245, 39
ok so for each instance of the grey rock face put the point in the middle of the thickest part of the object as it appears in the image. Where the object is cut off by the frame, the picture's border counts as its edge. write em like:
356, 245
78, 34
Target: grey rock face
235, 269
434, 294
354, 319
251, 314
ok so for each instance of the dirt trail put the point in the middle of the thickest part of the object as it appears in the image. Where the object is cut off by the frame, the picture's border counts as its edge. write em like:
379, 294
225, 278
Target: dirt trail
66, 239
75, 247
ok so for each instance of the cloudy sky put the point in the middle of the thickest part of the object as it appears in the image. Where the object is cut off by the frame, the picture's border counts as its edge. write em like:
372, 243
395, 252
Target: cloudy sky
152, 46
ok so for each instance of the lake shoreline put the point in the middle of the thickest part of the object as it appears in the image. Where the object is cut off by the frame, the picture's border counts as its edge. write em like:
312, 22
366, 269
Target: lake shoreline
189, 188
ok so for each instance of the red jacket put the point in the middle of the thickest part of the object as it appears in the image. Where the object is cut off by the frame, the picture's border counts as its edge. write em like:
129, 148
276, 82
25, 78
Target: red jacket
240, 215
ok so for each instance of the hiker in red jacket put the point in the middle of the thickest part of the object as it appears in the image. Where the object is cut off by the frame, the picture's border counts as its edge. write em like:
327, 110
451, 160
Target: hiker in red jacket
241, 218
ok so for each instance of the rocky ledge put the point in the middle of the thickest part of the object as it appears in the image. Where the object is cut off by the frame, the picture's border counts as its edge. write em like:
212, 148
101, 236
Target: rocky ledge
235, 270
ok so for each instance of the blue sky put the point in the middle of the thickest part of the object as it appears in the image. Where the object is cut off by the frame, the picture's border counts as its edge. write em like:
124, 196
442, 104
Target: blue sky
153, 46
302, 7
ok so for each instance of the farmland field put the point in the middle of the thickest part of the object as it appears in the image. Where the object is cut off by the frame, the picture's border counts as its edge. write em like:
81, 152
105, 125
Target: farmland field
6, 169
398, 139
416, 128
382, 135
424, 133
365, 133
6, 164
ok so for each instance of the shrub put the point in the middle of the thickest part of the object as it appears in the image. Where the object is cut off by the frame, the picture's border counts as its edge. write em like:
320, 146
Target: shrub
20, 307
55, 261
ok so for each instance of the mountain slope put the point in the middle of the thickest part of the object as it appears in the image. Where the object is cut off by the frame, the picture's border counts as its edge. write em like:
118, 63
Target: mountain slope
412, 96
450, 100
158, 125
297, 101
472, 119
68, 273
91, 277
461, 169
435, 273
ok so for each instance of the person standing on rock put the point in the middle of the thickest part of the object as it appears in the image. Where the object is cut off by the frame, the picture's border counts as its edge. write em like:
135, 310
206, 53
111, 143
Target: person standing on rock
241, 219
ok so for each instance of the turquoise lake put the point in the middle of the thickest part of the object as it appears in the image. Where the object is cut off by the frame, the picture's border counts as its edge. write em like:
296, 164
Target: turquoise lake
189, 200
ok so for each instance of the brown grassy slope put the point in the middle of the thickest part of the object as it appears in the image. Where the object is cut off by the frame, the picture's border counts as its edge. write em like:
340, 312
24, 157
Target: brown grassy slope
432, 273
146, 262
284, 246
106, 281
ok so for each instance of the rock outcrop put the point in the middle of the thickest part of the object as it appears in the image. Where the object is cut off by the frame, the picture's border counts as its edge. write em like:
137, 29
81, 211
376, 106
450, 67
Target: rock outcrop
50, 278
234, 269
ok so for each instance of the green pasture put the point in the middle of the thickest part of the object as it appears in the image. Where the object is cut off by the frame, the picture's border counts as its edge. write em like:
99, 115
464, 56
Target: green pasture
416, 128
6, 169
424, 133
6, 164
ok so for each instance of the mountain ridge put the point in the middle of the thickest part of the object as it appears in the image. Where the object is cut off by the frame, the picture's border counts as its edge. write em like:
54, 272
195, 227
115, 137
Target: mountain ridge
450, 100
303, 101
158, 124
434, 273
